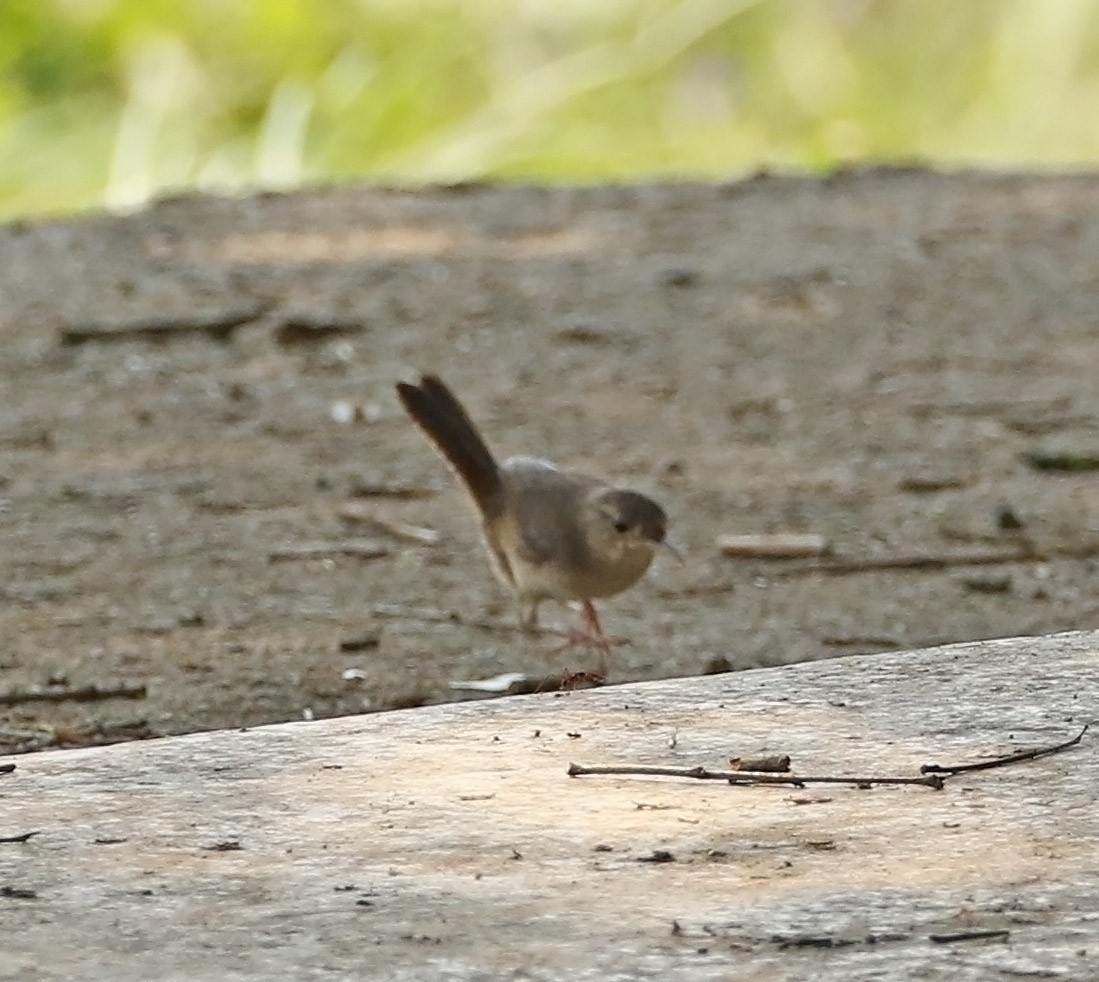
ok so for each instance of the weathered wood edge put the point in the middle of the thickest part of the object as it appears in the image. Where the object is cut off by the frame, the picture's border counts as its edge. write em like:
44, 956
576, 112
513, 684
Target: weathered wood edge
448, 842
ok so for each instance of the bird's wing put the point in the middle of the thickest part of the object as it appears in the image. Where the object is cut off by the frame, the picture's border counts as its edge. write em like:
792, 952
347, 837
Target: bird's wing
546, 503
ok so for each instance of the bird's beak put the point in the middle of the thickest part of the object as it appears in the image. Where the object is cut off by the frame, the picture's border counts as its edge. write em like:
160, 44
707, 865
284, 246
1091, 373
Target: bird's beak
674, 550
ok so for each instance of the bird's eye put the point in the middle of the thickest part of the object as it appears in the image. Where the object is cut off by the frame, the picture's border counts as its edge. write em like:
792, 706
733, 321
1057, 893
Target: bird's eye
621, 527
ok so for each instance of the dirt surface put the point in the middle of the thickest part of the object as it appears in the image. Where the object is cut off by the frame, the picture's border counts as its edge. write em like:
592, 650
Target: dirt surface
194, 397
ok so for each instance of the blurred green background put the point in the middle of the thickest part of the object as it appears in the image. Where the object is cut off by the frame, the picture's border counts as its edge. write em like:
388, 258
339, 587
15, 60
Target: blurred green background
111, 102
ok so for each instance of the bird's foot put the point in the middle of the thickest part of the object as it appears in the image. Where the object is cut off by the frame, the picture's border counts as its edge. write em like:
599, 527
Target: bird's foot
591, 636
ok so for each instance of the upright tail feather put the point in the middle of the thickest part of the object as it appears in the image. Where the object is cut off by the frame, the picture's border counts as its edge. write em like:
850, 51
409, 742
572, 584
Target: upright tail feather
443, 418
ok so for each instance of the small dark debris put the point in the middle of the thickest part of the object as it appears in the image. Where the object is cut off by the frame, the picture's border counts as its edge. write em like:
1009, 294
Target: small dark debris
364, 487
346, 888
717, 665
573, 736
602, 847
407, 700
929, 483
21, 837
1063, 461
678, 276
362, 642
955, 936
657, 856
18, 893
305, 329
7, 768
583, 332
363, 902
228, 845
993, 583
107, 840
767, 763
1008, 520
812, 941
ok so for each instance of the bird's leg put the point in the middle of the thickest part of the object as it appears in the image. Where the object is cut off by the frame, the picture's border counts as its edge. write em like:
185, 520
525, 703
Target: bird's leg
591, 634
595, 631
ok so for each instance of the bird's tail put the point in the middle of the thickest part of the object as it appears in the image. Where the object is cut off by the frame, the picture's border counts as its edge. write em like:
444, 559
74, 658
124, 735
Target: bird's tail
442, 417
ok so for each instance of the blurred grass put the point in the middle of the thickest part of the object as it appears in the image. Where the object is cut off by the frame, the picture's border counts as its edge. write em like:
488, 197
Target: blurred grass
110, 102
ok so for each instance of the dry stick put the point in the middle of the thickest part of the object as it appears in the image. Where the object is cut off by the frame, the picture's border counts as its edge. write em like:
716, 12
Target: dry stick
843, 566
218, 323
920, 561
399, 530
741, 777
985, 765
1023, 553
323, 550
85, 693
432, 615
933, 775
782, 545
846, 565
999, 934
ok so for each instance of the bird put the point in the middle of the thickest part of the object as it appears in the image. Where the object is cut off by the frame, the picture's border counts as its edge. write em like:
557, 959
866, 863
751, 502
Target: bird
551, 533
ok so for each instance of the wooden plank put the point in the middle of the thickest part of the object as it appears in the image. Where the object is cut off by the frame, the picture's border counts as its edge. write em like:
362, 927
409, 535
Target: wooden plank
448, 842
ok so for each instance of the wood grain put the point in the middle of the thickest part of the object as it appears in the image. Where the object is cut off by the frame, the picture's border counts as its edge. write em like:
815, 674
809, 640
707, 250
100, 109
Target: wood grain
448, 842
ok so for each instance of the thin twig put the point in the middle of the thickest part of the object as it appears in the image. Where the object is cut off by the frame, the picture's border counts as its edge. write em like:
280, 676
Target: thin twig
917, 562
22, 837
366, 487
354, 513
931, 775
84, 693
1000, 934
846, 565
986, 765
432, 615
784, 545
218, 324
357, 548
740, 777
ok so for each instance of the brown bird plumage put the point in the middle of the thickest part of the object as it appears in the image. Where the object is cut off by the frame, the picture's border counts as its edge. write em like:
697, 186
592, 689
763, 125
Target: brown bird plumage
552, 534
